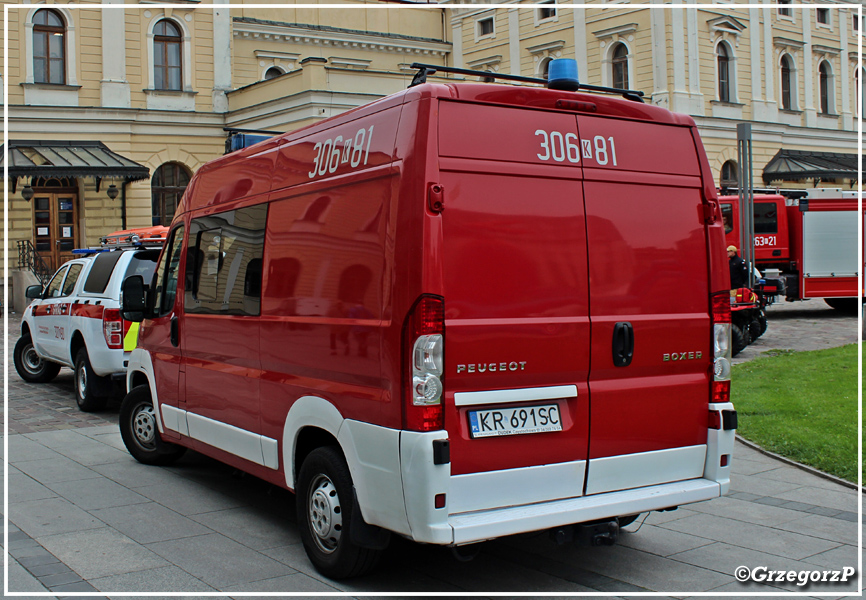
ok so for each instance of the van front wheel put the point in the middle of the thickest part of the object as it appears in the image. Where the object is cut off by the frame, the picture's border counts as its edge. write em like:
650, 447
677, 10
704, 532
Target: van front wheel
139, 431
325, 513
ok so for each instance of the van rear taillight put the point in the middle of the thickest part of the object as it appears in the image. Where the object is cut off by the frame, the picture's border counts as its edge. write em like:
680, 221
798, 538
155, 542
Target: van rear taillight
424, 363
721, 303
112, 328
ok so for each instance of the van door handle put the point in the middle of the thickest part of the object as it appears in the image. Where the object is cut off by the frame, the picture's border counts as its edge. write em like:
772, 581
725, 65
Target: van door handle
623, 344
175, 332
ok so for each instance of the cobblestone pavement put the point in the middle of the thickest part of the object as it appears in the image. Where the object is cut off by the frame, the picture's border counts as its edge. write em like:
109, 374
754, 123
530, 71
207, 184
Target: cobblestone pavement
45, 407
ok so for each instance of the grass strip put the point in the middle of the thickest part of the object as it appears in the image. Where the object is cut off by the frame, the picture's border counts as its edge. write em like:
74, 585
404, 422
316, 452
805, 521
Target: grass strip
802, 405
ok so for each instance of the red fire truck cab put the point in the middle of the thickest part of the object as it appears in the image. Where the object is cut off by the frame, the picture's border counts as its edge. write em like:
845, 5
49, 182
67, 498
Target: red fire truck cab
809, 242
447, 315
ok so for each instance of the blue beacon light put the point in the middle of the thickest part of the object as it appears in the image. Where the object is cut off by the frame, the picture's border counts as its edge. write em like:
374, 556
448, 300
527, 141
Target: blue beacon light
562, 75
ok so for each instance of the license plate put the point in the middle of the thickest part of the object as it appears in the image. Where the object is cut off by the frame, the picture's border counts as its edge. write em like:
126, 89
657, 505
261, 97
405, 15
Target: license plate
514, 421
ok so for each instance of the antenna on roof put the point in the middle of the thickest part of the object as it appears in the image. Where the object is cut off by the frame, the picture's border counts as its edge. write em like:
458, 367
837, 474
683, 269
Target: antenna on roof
558, 77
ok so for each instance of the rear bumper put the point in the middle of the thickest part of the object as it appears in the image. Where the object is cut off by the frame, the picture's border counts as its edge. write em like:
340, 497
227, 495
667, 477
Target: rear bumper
484, 525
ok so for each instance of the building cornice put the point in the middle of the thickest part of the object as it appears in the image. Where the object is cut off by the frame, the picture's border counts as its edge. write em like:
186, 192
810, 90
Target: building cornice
246, 28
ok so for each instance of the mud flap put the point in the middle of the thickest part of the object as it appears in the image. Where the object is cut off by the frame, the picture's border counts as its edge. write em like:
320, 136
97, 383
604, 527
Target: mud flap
363, 534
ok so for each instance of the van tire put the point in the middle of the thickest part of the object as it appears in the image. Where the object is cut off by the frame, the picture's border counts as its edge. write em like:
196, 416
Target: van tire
325, 512
30, 366
140, 433
87, 385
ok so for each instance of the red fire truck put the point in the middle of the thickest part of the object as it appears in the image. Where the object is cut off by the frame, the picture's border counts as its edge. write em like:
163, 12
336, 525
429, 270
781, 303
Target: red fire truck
806, 247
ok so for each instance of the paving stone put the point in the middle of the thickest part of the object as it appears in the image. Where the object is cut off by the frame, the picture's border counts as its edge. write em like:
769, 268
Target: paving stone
218, 561
56, 470
60, 578
32, 561
828, 528
81, 586
100, 553
51, 516
251, 527
163, 579
187, 498
831, 496
294, 583
660, 541
52, 568
756, 511
149, 523
762, 539
23, 488
99, 493
22, 581
131, 474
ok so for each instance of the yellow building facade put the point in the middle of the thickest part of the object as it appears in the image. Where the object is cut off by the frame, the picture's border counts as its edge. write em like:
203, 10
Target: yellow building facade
131, 100
790, 71
139, 96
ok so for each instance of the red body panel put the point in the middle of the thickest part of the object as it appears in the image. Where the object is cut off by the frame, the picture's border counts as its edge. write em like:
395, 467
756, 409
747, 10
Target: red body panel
556, 226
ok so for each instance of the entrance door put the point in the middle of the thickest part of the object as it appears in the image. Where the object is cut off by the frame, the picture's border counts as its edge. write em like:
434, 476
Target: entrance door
55, 226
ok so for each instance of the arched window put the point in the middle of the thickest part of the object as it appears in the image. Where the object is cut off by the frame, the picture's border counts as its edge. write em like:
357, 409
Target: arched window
273, 72
166, 189
724, 69
544, 68
825, 78
728, 178
49, 47
787, 83
167, 52
619, 65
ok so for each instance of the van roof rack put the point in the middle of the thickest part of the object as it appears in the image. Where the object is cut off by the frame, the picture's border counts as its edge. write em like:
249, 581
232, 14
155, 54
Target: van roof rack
424, 70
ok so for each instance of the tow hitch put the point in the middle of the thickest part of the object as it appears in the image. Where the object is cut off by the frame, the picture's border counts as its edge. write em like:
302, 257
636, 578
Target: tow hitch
594, 533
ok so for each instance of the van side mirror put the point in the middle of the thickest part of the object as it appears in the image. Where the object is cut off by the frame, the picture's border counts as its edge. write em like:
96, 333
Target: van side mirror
33, 292
133, 300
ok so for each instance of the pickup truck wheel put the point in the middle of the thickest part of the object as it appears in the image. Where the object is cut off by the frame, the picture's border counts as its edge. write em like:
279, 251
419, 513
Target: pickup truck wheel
86, 384
30, 366
139, 431
325, 512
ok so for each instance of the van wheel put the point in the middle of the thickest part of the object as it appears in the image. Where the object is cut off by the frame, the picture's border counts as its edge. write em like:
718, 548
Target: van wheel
30, 366
86, 384
140, 433
325, 512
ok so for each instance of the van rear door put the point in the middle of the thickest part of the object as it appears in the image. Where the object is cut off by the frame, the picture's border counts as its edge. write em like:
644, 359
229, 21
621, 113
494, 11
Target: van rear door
516, 302
648, 304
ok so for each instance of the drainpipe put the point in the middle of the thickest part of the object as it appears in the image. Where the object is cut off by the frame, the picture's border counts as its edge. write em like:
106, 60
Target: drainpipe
123, 204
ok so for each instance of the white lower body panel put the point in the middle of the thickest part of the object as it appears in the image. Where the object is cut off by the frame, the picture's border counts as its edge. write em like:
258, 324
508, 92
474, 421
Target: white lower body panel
628, 471
485, 525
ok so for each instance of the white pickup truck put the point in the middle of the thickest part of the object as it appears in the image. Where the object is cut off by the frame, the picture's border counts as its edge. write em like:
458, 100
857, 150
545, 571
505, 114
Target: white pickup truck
75, 321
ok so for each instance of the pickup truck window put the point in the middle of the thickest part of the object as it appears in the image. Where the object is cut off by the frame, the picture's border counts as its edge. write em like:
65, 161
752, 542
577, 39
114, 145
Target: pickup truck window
71, 279
54, 288
100, 272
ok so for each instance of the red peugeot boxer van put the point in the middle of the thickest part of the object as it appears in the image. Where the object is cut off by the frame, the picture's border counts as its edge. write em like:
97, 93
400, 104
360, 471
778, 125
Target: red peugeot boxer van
448, 315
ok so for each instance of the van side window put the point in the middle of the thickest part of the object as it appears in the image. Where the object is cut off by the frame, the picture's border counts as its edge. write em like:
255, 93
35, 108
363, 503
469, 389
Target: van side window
224, 262
166, 273
766, 217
